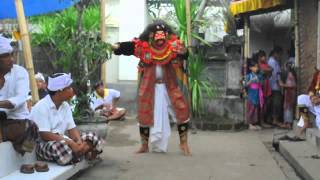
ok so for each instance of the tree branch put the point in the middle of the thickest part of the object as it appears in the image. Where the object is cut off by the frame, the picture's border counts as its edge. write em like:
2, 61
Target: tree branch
202, 7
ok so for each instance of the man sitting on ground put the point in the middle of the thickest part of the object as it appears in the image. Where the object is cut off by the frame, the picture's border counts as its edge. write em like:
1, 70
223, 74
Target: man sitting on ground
54, 117
103, 102
14, 88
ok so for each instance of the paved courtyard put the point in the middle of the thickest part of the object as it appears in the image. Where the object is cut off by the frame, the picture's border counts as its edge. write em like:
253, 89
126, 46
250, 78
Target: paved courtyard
216, 156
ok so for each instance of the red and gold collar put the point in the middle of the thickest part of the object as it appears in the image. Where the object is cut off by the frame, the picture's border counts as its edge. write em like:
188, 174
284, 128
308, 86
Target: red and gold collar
151, 55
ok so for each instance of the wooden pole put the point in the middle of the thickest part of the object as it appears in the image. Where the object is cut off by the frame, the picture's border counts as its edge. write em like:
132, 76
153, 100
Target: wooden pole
246, 55
296, 43
103, 36
318, 53
188, 18
26, 49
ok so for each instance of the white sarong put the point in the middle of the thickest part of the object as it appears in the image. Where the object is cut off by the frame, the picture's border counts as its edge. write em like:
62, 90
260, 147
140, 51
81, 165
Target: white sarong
160, 132
305, 100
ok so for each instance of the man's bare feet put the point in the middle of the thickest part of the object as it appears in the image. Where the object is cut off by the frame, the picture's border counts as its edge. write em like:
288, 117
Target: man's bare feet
185, 149
143, 149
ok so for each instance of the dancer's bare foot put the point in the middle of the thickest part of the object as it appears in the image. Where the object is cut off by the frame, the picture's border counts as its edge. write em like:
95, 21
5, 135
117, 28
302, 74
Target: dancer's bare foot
185, 149
143, 149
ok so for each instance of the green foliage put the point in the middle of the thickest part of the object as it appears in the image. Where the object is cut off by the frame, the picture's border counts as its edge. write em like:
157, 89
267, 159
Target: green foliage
180, 11
196, 65
199, 84
91, 18
72, 44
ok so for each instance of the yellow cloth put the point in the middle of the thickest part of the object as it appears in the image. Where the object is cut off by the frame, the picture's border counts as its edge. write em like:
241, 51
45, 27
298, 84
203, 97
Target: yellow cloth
243, 6
105, 94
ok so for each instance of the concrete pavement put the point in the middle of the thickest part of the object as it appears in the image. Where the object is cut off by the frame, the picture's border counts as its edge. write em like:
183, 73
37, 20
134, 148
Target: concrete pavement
216, 156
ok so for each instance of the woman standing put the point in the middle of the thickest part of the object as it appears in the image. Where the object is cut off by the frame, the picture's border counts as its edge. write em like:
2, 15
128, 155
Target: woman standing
289, 95
266, 71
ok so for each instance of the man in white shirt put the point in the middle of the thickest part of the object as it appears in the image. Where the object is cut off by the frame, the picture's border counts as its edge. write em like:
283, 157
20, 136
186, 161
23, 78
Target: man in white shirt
103, 102
14, 88
54, 118
276, 96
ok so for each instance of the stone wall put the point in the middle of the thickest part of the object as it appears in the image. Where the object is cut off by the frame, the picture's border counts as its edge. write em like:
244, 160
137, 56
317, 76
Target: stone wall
226, 110
41, 62
307, 24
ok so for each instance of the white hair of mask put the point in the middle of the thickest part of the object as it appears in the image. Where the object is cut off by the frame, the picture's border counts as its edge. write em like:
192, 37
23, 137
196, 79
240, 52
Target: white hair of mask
5, 46
59, 82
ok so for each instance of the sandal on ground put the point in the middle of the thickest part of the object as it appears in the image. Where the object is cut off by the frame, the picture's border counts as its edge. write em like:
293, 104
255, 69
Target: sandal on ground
285, 137
27, 168
41, 167
283, 126
316, 156
296, 139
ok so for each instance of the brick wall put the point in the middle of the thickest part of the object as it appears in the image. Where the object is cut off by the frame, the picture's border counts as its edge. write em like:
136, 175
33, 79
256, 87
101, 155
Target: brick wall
307, 20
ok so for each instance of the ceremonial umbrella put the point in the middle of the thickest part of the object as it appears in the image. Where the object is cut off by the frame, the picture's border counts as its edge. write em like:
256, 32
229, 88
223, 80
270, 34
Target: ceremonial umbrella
19, 9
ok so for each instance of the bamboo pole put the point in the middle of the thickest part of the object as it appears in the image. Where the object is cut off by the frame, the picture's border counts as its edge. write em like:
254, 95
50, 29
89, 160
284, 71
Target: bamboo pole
103, 36
26, 49
188, 17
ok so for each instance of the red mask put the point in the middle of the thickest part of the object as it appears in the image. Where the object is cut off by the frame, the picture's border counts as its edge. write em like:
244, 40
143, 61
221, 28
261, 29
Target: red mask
159, 35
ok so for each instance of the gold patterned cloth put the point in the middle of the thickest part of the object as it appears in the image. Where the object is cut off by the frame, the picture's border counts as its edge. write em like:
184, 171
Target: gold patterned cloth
243, 6
146, 94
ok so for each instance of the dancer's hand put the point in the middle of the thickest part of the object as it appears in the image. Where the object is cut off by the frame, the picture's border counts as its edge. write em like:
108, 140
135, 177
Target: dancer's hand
180, 50
115, 46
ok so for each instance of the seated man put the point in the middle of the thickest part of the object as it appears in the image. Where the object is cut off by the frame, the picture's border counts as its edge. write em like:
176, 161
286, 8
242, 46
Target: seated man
54, 118
14, 88
309, 103
104, 102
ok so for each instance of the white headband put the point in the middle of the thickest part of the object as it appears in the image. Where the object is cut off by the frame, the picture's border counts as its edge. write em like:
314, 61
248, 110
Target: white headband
59, 82
39, 76
5, 46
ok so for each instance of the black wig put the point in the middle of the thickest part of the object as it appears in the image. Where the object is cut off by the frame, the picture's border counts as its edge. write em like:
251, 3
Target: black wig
157, 24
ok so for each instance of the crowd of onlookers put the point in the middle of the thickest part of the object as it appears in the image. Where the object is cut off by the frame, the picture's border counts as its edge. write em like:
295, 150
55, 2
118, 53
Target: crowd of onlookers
270, 90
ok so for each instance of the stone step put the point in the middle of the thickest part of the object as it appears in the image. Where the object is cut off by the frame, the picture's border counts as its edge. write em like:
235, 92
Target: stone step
303, 157
313, 137
10, 162
55, 172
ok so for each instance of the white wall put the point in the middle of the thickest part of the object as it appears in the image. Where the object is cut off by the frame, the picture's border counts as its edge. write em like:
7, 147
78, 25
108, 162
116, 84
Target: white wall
133, 19
112, 65
126, 19
112, 26
260, 41
113, 13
